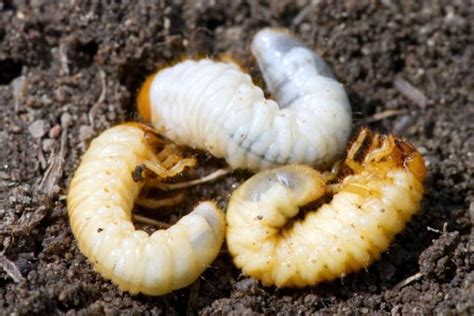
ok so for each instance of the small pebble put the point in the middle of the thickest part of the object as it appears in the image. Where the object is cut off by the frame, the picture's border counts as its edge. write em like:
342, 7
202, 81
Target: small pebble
15, 128
37, 129
65, 120
18, 85
85, 132
55, 131
410, 92
422, 150
48, 144
60, 95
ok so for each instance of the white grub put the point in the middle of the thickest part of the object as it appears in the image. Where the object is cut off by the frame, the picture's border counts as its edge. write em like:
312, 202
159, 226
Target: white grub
100, 200
215, 106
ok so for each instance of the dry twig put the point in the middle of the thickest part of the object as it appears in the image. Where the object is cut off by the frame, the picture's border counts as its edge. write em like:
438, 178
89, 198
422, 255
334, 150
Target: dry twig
182, 185
11, 269
149, 221
55, 169
409, 280
103, 94
63, 59
410, 92
300, 16
25, 224
380, 116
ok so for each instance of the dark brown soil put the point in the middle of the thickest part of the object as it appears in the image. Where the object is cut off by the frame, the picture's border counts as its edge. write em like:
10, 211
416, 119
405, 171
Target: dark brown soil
70, 70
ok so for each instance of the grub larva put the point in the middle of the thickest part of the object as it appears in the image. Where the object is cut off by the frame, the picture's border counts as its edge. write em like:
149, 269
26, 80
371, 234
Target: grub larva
100, 200
372, 202
215, 106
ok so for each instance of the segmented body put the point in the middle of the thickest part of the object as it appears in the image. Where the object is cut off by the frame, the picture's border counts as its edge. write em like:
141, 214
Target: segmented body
215, 106
368, 207
100, 200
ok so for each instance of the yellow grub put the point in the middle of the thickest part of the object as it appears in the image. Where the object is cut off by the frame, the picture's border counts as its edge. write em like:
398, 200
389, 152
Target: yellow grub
369, 206
100, 200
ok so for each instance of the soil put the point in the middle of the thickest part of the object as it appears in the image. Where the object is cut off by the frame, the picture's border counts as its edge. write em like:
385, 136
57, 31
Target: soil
70, 69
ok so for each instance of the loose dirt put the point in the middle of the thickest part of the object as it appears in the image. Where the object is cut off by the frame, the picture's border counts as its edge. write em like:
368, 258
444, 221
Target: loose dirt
70, 69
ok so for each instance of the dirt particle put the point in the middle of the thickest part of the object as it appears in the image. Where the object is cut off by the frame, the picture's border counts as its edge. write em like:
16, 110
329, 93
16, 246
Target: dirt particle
37, 129
66, 120
85, 133
368, 43
47, 144
410, 92
436, 260
55, 131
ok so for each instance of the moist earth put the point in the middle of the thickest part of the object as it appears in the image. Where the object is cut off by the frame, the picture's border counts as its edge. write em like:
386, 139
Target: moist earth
70, 69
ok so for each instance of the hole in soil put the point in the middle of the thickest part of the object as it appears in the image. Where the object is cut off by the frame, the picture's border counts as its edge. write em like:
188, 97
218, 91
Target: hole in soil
212, 20
213, 23
370, 107
132, 75
7, 5
398, 64
429, 129
9, 70
83, 53
289, 13
357, 102
458, 178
